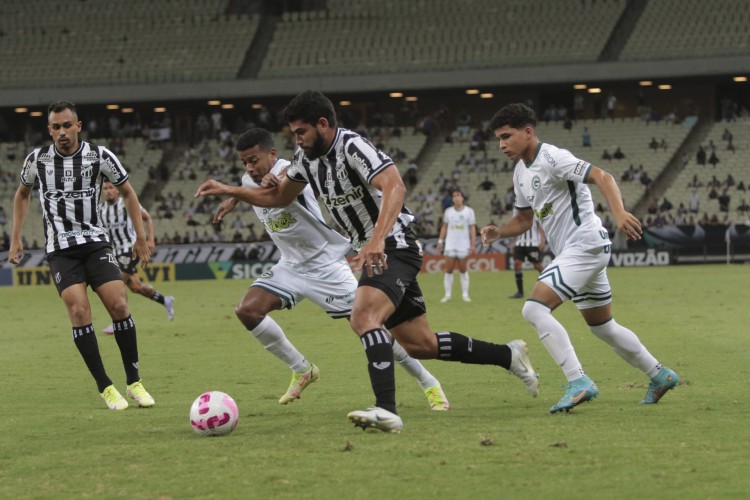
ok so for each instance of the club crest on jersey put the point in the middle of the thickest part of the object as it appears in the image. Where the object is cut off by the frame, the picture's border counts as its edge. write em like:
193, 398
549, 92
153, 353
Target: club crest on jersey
86, 170
536, 183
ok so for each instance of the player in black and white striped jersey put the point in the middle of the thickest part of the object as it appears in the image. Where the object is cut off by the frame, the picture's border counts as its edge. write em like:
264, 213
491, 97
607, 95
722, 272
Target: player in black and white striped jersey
364, 193
527, 247
121, 234
68, 173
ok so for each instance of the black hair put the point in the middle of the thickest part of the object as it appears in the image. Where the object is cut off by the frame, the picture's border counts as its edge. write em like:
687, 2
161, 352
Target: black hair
515, 115
58, 106
310, 106
255, 137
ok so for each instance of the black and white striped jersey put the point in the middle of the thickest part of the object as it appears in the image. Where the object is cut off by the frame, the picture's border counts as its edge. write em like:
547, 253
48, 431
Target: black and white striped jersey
120, 229
69, 189
531, 237
342, 177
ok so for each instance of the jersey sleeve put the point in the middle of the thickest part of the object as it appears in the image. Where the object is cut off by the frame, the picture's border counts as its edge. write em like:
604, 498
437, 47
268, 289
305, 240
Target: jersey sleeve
28, 171
111, 167
364, 157
472, 217
296, 171
569, 168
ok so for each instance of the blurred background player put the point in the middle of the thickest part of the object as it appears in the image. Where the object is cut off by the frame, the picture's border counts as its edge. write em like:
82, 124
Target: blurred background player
457, 240
115, 219
552, 185
312, 266
527, 247
76, 245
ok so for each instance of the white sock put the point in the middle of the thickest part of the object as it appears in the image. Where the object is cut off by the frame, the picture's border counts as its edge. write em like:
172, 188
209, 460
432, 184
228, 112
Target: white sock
464, 282
448, 283
626, 344
272, 337
413, 367
554, 337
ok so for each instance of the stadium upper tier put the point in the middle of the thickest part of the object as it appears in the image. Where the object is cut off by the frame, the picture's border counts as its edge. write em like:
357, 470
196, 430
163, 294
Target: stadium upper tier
681, 29
46, 43
361, 36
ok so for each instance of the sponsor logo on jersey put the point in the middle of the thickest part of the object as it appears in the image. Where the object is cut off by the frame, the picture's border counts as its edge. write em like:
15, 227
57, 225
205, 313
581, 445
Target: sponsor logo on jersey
57, 194
285, 221
73, 234
115, 171
549, 158
546, 211
46, 159
25, 169
345, 199
579, 168
357, 245
91, 156
361, 164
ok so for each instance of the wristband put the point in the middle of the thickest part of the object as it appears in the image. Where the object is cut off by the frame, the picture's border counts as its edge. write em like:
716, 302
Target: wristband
440, 242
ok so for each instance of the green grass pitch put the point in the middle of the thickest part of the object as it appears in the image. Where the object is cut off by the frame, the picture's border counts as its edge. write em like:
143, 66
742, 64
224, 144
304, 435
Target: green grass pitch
58, 440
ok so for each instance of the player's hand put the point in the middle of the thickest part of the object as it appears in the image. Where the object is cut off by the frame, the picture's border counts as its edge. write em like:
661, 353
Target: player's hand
225, 207
141, 250
151, 246
15, 254
270, 180
629, 225
489, 234
211, 187
372, 258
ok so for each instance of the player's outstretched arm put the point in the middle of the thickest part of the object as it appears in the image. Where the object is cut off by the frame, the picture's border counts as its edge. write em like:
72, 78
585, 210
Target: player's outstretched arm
277, 196
20, 209
519, 224
625, 221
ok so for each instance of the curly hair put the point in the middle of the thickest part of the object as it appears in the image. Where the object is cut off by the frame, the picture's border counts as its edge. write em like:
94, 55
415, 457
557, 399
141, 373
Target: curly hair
255, 137
515, 115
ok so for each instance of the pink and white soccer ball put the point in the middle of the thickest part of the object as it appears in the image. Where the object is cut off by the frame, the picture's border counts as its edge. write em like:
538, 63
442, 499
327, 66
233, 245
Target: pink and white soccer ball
214, 414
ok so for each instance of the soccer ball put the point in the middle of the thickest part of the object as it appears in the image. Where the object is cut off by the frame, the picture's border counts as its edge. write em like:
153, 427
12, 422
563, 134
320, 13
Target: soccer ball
214, 414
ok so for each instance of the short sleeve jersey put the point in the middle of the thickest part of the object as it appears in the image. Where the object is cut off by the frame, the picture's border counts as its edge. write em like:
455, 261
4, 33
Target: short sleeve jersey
342, 177
69, 188
554, 186
458, 222
303, 238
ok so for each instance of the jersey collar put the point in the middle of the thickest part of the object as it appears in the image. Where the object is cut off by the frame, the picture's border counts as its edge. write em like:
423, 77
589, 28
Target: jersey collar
536, 155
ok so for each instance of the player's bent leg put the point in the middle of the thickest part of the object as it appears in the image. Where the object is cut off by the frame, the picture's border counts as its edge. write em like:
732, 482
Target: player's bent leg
436, 398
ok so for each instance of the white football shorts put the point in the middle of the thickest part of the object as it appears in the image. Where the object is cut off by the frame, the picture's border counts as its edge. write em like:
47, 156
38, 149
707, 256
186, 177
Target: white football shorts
332, 288
456, 253
580, 276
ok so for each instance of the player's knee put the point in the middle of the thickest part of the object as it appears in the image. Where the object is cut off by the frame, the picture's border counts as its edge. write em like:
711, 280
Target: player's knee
248, 315
79, 313
119, 309
534, 312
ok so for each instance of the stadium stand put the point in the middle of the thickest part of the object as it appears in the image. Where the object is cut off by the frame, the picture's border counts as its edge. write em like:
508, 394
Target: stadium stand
631, 135
680, 29
142, 42
731, 172
424, 35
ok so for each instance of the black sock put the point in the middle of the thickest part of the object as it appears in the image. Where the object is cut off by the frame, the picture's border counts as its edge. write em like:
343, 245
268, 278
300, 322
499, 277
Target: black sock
456, 347
519, 281
377, 344
126, 341
85, 340
158, 297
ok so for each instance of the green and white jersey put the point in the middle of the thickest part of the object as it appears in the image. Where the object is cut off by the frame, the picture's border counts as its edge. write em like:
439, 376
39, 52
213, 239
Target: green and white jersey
304, 240
459, 222
554, 186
